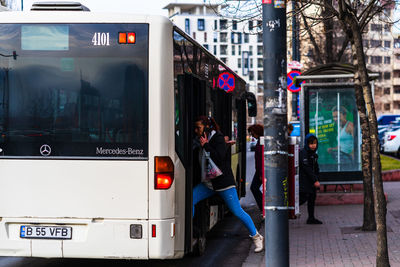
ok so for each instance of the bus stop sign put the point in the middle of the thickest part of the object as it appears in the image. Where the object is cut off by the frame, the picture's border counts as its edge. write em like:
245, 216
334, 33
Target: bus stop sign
291, 86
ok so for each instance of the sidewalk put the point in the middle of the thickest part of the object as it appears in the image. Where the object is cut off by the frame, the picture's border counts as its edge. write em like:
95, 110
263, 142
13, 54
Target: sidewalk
337, 242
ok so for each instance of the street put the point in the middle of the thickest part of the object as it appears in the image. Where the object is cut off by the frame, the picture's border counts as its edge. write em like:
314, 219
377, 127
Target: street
227, 244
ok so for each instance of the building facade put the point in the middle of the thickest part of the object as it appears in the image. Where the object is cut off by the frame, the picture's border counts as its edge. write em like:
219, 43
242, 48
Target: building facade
236, 42
380, 56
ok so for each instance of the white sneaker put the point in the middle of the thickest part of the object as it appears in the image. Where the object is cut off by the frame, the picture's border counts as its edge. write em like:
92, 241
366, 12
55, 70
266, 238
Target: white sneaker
258, 241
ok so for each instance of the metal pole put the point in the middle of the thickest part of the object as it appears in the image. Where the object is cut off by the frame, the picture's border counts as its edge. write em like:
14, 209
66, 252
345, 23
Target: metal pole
295, 54
275, 134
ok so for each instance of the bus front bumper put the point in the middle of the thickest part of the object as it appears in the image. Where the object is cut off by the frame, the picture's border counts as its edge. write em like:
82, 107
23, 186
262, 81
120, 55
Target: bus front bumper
91, 238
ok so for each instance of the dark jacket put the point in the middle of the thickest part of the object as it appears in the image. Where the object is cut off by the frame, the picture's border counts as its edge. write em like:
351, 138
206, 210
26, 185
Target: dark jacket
258, 156
218, 153
309, 169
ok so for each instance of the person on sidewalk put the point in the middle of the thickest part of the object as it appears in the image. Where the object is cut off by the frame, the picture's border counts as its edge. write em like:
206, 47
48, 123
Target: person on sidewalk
309, 171
257, 131
212, 141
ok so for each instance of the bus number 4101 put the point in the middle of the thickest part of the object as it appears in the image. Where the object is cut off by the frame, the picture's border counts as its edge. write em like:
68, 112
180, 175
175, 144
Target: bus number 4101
101, 38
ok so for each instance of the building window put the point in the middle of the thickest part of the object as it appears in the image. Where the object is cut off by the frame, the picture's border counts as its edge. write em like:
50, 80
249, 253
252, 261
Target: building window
259, 75
239, 50
260, 88
386, 60
259, 37
215, 37
215, 50
250, 25
187, 26
251, 63
239, 63
223, 59
205, 37
194, 35
251, 75
223, 36
259, 25
223, 24
236, 38
387, 27
200, 24
259, 62
397, 90
234, 25
259, 50
366, 58
245, 62
376, 27
376, 60
376, 43
387, 44
250, 50
205, 46
233, 50
215, 25
223, 49
386, 76
365, 43
386, 106
246, 37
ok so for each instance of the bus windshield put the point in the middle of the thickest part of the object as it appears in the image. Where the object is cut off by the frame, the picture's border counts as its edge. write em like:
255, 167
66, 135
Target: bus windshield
74, 90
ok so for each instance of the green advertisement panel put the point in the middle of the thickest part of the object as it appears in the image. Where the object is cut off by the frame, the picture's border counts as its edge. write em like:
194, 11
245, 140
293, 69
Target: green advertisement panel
333, 118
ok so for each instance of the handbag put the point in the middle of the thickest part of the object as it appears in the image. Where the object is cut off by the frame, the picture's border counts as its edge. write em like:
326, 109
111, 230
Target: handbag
209, 170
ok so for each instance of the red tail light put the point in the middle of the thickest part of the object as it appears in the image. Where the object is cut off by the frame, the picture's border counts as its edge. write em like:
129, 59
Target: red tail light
391, 137
163, 172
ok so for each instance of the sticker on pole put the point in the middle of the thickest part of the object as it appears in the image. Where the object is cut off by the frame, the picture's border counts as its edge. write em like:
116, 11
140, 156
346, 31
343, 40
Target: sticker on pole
226, 81
291, 86
279, 4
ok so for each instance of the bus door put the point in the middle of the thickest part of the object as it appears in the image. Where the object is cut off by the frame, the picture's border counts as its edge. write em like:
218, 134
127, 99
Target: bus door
192, 95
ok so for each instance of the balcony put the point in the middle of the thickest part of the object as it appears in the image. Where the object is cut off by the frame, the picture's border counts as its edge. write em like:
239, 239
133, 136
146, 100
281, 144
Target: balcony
396, 97
396, 65
396, 51
396, 81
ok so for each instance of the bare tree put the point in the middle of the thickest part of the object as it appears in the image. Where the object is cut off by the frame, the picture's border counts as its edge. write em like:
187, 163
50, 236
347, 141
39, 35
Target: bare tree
335, 47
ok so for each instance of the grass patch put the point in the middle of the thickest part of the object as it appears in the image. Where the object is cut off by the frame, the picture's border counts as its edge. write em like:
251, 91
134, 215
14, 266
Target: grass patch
389, 163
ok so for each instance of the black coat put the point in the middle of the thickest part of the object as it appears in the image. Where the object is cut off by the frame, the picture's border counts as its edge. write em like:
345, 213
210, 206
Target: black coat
309, 169
218, 153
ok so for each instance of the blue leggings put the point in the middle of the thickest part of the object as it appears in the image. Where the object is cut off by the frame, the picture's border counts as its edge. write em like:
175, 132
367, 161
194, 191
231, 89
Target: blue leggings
201, 192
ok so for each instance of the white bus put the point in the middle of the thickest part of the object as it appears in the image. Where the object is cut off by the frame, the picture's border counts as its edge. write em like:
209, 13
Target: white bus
96, 128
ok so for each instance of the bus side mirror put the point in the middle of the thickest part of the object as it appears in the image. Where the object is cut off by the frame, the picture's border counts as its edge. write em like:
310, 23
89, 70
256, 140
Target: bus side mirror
251, 104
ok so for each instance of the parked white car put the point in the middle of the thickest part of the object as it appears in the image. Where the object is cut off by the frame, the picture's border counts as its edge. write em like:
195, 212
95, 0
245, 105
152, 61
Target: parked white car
391, 143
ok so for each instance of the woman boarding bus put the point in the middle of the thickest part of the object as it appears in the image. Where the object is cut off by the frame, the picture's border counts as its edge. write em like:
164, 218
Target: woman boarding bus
96, 121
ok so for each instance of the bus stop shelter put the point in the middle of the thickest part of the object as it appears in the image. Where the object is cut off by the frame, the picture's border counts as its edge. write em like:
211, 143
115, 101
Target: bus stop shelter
328, 110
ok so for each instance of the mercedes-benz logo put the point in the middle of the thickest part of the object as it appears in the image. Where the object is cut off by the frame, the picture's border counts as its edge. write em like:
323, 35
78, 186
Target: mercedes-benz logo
45, 150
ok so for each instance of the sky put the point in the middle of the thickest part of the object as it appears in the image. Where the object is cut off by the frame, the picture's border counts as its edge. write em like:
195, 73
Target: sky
153, 7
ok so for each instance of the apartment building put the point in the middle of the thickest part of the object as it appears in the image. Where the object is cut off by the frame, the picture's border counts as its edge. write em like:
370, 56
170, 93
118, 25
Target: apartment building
395, 107
378, 42
237, 43
379, 56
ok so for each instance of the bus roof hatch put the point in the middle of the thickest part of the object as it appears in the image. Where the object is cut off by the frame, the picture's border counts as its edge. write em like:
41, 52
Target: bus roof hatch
58, 6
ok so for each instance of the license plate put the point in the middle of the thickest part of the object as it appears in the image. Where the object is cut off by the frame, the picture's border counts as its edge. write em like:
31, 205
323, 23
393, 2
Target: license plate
46, 232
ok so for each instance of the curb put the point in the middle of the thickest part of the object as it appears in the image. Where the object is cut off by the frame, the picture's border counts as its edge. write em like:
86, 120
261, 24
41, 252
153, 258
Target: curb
390, 176
325, 199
